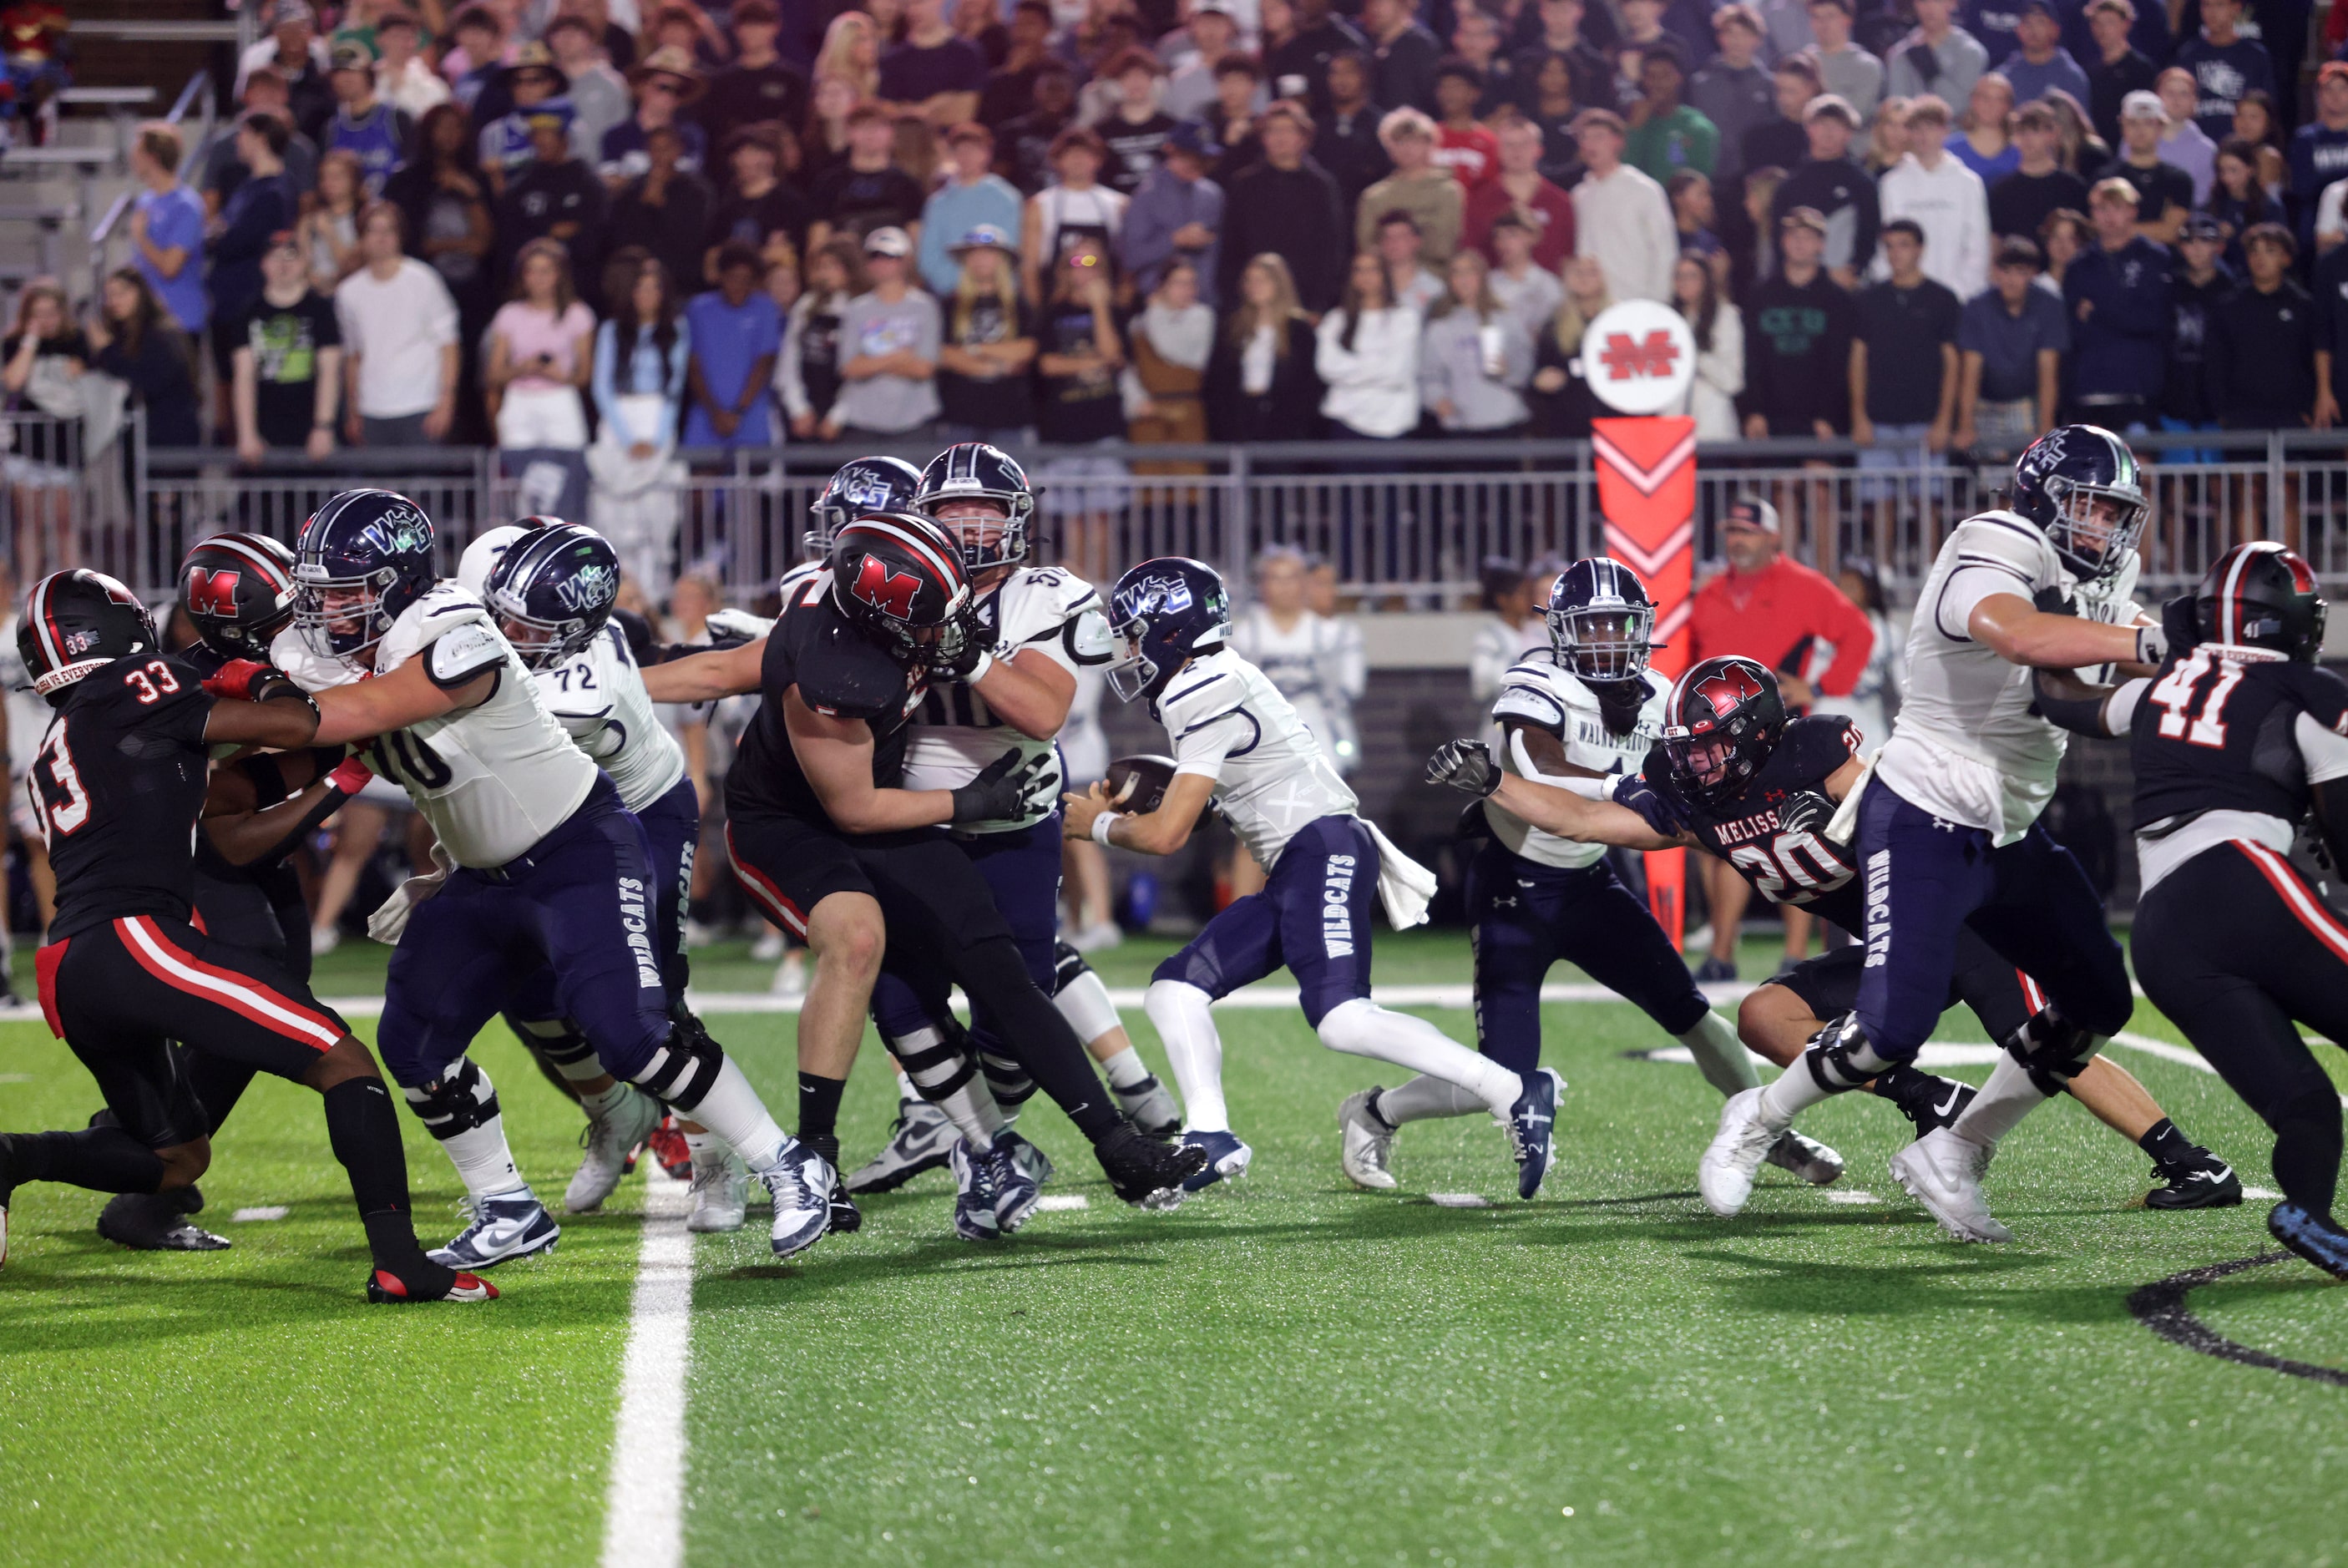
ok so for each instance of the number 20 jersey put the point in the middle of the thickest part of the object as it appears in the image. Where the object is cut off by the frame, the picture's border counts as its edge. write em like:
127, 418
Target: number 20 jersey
1805, 869
493, 778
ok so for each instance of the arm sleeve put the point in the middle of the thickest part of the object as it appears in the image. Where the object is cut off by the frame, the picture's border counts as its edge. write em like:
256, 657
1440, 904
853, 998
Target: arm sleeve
1846, 625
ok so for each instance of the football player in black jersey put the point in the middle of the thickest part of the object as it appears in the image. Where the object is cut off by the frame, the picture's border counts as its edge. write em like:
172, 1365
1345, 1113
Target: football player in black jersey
121, 780
830, 848
237, 591
2235, 739
1734, 775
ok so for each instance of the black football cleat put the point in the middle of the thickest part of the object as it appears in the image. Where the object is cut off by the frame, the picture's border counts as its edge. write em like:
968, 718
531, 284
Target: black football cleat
1139, 1167
2200, 1182
155, 1222
386, 1288
846, 1217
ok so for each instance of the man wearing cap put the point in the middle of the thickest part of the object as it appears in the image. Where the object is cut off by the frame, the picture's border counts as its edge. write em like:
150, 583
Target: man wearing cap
1833, 187
2189, 401
295, 52
534, 85
986, 350
936, 72
1176, 215
1620, 217
364, 125
1933, 189
2118, 292
665, 82
554, 196
973, 196
1732, 90
1770, 607
2319, 150
760, 84
2164, 191
2010, 339
887, 351
2041, 62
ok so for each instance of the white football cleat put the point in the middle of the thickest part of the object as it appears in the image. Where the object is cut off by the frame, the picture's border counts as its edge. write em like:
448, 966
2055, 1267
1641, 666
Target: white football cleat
1806, 1157
801, 1185
1725, 1175
608, 1141
721, 1185
499, 1228
1943, 1172
1368, 1154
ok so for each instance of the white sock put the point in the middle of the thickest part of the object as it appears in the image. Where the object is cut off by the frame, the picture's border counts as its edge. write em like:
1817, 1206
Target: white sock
1187, 1027
906, 1092
1083, 1003
1720, 1056
733, 1111
1125, 1070
1426, 1098
974, 1112
1795, 1091
1361, 1028
483, 1161
2004, 1101
599, 1104
707, 1149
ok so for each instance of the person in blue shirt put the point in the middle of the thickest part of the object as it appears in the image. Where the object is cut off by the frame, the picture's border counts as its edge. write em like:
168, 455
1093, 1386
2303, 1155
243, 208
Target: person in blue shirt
736, 334
167, 228
2225, 65
2319, 150
2119, 293
2041, 62
364, 125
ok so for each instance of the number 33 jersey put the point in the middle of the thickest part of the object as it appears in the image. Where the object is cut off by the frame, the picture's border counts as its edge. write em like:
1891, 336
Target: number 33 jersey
493, 778
1804, 867
117, 787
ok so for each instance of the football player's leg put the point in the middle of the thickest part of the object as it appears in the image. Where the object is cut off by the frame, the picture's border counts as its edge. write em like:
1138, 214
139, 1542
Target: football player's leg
940, 1092
1609, 933
1021, 871
1238, 947
449, 976
1084, 1001
1783, 1014
1512, 946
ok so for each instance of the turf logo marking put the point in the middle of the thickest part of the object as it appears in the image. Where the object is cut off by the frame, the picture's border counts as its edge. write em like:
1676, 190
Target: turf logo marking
2162, 1307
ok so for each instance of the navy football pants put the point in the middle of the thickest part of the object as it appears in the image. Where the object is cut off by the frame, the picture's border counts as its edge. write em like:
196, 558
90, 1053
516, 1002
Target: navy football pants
1021, 870
1312, 916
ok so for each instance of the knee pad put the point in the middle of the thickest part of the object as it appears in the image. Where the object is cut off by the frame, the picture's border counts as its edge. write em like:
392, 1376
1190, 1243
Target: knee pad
458, 1101
683, 1070
558, 1042
2052, 1049
1066, 965
1081, 997
1007, 1080
1841, 1057
937, 1057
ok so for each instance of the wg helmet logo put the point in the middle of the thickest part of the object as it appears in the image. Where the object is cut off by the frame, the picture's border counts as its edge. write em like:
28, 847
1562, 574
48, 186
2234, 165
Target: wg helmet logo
587, 587
401, 531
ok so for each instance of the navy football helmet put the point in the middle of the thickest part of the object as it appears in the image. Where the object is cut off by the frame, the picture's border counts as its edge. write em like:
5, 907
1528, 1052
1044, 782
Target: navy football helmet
897, 574
363, 558
1600, 621
1161, 612
2081, 484
1721, 723
860, 487
76, 621
237, 591
974, 471
2261, 595
552, 591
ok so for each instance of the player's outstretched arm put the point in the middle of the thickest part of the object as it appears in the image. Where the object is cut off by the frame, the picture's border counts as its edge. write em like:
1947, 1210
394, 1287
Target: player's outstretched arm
2064, 700
836, 754
1571, 815
1159, 832
406, 696
260, 707
2013, 629
269, 834
705, 677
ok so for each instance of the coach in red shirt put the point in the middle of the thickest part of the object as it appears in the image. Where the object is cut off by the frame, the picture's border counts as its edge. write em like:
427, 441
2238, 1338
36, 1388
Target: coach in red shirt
1778, 611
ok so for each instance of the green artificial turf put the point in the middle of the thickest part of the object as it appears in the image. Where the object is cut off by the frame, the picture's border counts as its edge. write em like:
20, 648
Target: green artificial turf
1288, 1370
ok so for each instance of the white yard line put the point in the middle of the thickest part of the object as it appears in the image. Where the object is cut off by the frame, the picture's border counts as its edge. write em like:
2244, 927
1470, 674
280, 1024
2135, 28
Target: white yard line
644, 1517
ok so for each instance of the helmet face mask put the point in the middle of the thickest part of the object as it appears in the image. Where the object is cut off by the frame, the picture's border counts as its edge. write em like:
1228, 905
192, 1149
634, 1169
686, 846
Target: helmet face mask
2081, 485
342, 617
1161, 614
553, 590
1600, 621
1133, 672
975, 471
2095, 529
364, 557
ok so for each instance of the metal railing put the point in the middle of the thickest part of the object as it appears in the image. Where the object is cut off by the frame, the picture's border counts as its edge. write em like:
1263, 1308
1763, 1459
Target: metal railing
1407, 524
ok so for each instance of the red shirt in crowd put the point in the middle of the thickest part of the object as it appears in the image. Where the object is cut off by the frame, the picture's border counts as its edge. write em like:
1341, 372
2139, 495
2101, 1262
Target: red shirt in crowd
1552, 218
1775, 615
1472, 155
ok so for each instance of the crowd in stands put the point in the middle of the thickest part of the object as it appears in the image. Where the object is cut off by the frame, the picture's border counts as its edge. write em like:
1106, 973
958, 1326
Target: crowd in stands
629, 228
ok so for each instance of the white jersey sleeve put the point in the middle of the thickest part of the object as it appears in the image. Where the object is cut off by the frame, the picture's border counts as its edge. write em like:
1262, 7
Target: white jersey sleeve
493, 778
1225, 721
1537, 695
598, 696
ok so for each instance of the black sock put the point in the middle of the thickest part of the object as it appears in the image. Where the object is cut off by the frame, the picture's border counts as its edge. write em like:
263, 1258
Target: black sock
1371, 1105
362, 1126
1036, 1035
103, 1159
2165, 1144
819, 1105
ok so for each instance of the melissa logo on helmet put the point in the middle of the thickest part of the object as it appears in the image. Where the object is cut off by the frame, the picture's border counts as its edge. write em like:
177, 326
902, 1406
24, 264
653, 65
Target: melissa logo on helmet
587, 587
1725, 687
891, 593
212, 593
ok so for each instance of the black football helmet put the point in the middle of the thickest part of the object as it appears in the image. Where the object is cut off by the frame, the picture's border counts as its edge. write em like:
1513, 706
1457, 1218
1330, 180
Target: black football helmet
1161, 612
974, 471
2261, 595
897, 574
363, 558
552, 591
859, 488
237, 590
1721, 723
76, 621
1601, 621
2059, 483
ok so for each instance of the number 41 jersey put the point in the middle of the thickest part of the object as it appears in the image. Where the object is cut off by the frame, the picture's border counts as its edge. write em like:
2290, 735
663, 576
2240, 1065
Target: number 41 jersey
1804, 867
117, 786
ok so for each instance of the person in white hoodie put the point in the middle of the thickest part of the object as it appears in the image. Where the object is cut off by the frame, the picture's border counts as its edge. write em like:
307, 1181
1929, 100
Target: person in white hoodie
1944, 198
1369, 357
1620, 216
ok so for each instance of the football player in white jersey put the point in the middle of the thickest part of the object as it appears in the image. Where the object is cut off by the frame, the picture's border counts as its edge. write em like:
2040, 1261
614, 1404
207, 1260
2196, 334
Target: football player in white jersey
1044, 624
1948, 827
548, 869
1238, 743
1587, 708
1305, 655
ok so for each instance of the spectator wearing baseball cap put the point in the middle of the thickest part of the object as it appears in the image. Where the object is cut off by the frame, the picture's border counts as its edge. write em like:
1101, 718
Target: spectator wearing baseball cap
2010, 339
974, 197
2164, 191
986, 346
364, 125
1177, 214
2040, 63
736, 332
1834, 188
1799, 324
1768, 606
534, 84
888, 350
2319, 150
667, 81
296, 53
2201, 282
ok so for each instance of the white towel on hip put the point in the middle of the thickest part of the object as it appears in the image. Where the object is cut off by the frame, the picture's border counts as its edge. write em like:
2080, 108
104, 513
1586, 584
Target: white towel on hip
1404, 886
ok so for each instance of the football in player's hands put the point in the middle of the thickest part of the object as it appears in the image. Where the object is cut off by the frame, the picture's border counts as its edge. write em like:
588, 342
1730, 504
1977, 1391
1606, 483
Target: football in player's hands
1808, 811
1138, 784
1465, 766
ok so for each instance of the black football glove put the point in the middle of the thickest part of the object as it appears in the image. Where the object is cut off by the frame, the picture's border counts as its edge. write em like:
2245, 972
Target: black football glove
1465, 765
1657, 810
1806, 812
960, 645
1002, 790
2054, 600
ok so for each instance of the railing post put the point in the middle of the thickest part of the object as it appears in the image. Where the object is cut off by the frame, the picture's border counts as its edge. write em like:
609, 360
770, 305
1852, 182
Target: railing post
1239, 525
2276, 512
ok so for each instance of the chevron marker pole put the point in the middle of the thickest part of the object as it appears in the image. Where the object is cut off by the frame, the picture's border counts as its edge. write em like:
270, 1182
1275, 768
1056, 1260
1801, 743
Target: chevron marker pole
1646, 490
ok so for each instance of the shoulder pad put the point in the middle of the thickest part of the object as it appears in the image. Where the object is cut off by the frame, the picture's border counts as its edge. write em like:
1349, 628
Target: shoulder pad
1036, 601
842, 675
1209, 684
441, 610
2007, 542
1814, 745
1534, 694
